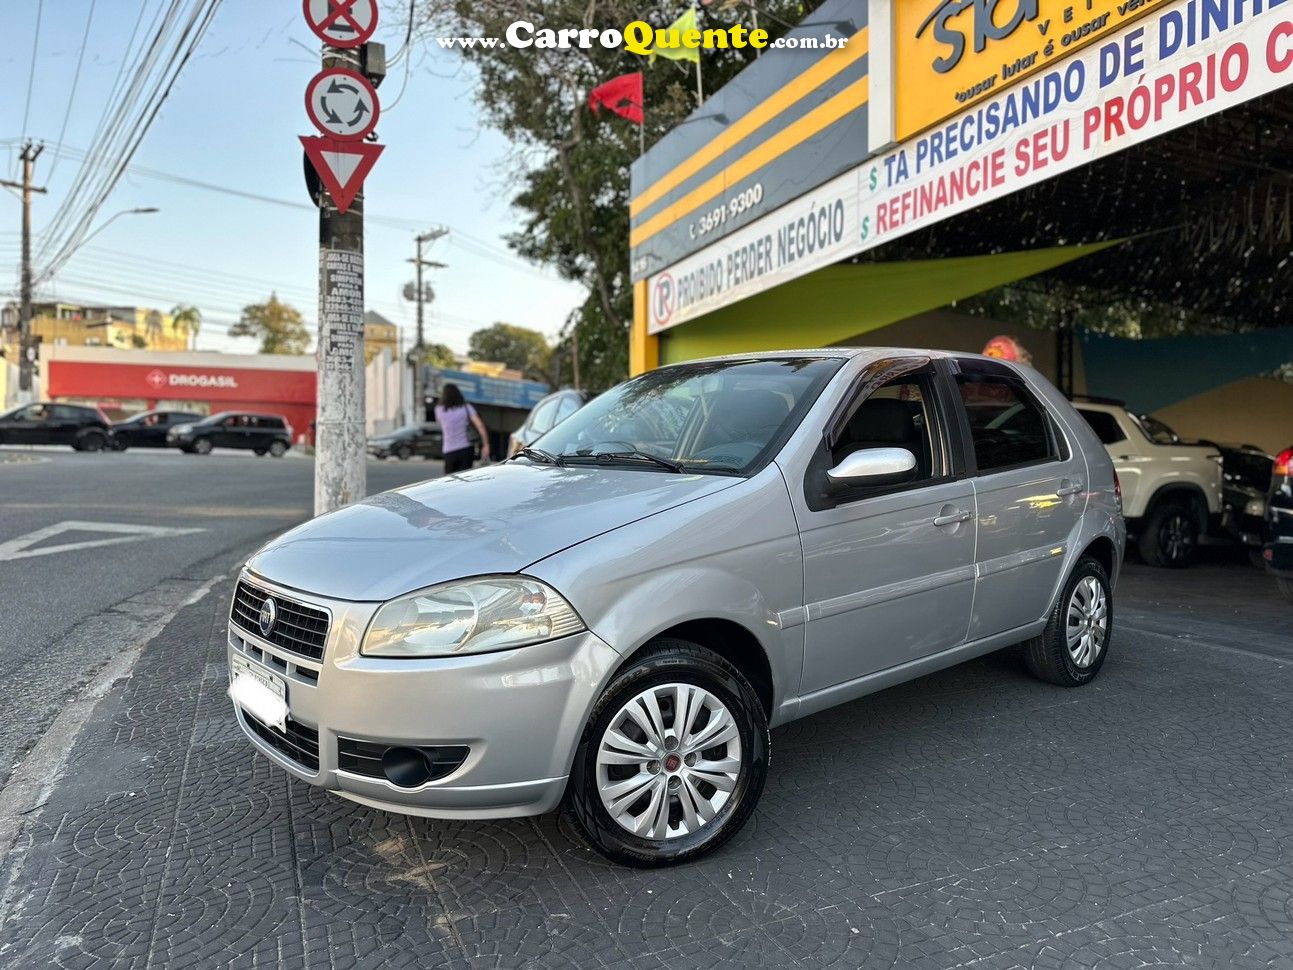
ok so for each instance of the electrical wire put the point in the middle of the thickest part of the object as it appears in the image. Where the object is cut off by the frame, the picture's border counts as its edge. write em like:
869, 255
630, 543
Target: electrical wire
31, 76
71, 97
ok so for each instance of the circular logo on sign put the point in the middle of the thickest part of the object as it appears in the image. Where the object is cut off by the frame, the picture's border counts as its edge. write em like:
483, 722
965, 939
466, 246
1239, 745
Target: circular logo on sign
156, 379
268, 616
662, 299
342, 104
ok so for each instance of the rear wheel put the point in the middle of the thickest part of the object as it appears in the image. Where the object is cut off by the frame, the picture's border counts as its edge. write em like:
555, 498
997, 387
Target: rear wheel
90, 441
259, 452
1072, 648
672, 760
278, 449
202, 446
1170, 536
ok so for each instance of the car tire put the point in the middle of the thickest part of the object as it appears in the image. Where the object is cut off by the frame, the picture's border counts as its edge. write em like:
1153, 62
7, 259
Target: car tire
201, 446
1169, 537
667, 670
277, 449
1072, 657
404, 453
259, 452
91, 441
1286, 587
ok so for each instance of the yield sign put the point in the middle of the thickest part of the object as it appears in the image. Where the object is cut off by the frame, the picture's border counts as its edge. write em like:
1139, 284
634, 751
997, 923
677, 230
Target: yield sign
342, 165
342, 23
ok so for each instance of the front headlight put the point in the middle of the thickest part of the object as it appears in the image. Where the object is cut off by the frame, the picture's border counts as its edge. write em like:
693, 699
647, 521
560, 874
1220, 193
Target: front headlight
1255, 506
471, 616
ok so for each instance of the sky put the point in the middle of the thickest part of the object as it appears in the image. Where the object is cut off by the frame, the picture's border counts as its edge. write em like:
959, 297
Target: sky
232, 121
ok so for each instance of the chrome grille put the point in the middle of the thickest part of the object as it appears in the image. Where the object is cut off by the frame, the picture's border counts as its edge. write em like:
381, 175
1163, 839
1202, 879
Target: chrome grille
299, 628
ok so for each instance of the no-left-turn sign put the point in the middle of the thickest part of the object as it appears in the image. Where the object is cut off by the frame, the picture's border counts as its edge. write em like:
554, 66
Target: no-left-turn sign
342, 104
342, 23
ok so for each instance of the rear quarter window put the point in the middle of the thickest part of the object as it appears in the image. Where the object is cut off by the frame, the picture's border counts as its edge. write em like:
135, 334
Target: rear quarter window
1105, 426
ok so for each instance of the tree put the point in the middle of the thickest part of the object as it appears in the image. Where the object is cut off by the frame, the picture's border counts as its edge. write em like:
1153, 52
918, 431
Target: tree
278, 326
439, 355
518, 347
572, 168
188, 320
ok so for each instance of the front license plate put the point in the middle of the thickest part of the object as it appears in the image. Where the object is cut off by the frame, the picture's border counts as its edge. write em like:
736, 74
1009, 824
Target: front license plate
258, 692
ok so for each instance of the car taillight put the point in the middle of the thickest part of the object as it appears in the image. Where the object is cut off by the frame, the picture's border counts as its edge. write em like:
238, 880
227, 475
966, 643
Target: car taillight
1284, 462
1117, 487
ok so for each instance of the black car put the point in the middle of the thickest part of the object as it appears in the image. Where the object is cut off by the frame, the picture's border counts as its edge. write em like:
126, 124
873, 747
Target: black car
149, 428
1278, 551
261, 433
425, 440
84, 428
1245, 482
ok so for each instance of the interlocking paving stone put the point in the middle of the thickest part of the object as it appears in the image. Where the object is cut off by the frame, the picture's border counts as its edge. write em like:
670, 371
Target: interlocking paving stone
975, 818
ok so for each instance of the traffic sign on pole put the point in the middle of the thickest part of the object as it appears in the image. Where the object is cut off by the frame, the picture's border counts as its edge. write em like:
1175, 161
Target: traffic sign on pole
342, 23
342, 166
342, 104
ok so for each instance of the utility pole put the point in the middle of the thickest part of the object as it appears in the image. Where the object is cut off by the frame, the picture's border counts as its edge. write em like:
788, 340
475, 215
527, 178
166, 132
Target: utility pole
28, 157
419, 346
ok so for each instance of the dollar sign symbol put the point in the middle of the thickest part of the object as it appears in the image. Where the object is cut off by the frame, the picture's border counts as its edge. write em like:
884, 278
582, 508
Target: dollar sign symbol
875, 177
866, 227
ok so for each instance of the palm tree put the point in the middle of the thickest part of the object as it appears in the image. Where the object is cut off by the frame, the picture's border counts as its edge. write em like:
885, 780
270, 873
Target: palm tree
189, 319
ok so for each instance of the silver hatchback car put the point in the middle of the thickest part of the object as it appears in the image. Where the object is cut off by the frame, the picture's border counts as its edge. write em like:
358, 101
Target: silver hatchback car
615, 617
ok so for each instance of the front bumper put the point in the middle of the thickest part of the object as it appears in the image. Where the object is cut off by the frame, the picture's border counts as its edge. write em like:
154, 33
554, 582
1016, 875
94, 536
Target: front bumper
519, 712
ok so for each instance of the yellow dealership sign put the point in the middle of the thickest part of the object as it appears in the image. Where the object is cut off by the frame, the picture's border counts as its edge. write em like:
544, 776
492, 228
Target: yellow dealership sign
948, 54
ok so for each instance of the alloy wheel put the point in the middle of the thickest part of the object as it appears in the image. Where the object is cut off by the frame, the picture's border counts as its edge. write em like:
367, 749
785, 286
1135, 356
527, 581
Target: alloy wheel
1177, 537
1088, 622
668, 761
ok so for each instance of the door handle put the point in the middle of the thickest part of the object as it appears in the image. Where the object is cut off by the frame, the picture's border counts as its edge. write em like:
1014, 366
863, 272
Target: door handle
952, 518
1070, 489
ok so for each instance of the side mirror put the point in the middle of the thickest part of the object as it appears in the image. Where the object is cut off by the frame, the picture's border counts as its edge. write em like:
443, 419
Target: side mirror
873, 466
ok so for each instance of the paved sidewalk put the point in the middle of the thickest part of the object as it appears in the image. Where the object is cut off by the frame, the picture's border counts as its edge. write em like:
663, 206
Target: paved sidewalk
972, 818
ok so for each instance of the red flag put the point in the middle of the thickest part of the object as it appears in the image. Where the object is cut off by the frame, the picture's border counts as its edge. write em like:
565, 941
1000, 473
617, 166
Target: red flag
622, 95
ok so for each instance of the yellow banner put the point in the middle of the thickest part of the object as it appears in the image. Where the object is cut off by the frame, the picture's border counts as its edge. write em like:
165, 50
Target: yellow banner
951, 53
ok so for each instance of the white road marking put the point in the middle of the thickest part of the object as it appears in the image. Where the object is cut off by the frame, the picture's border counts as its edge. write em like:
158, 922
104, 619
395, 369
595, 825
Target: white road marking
121, 532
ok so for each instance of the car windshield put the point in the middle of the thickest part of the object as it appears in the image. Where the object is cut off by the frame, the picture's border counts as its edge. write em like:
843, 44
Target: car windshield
1157, 431
717, 417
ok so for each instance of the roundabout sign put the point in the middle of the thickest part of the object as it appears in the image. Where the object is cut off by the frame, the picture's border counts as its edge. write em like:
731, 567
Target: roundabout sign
342, 104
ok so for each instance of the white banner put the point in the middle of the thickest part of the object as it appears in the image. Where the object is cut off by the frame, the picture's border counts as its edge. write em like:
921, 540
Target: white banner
1182, 63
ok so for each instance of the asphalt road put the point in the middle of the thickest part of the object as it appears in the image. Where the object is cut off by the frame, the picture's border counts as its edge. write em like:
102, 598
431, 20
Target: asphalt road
71, 590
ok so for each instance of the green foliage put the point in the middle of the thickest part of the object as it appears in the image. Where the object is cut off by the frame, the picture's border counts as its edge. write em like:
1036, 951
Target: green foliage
572, 167
439, 355
518, 347
278, 326
186, 319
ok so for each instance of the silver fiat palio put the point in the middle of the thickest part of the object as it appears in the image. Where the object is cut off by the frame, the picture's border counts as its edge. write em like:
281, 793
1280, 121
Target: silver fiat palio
614, 618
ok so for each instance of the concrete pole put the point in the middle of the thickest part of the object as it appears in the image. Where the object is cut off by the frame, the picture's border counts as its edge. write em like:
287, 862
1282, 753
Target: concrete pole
28, 157
340, 456
419, 349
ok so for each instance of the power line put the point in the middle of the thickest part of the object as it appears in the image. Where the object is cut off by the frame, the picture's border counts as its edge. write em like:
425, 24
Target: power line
71, 97
31, 76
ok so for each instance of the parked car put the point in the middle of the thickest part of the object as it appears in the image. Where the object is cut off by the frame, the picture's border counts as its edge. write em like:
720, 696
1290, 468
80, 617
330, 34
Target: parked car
615, 618
545, 416
261, 433
1171, 489
84, 428
149, 429
1245, 482
425, 440
1278, 551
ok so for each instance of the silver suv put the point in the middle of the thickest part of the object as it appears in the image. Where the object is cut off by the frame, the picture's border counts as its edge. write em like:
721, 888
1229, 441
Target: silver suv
615, 617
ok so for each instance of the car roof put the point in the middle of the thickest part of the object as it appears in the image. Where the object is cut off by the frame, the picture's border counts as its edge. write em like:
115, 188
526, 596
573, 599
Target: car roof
847, 353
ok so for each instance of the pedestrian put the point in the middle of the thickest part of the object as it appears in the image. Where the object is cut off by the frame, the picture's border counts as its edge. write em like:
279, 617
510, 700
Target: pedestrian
453, 414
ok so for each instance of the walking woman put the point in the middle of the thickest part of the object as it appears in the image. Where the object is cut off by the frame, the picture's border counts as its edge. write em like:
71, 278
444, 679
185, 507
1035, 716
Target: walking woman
453, 414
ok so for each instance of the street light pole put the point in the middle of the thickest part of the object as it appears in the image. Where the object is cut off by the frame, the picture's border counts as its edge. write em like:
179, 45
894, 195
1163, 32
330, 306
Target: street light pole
419, 347
28, 156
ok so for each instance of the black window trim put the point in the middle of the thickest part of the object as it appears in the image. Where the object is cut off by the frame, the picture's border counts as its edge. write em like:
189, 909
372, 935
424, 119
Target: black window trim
1062, 449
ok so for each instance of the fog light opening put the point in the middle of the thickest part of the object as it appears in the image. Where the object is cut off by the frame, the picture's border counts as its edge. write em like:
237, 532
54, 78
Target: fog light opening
406, 767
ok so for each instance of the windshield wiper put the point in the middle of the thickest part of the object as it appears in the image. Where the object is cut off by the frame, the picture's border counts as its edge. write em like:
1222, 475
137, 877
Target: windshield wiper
539, 455
609, 456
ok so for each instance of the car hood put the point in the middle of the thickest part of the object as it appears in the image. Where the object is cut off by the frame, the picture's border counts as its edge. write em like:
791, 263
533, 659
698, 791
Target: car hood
496, 519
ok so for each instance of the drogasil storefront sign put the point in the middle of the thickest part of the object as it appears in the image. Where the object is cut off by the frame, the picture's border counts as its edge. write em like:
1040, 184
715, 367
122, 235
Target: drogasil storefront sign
93, 379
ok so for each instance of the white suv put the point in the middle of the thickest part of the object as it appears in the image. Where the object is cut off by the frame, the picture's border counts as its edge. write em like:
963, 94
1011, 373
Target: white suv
1171, 491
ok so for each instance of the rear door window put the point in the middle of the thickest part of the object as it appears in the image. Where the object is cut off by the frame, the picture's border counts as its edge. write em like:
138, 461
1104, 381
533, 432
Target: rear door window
1009, 428
1105, 426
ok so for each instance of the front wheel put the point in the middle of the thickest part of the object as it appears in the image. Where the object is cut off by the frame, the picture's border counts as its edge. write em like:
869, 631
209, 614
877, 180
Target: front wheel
672, 760
1074, 645
404, 453
1170, 536
202, 446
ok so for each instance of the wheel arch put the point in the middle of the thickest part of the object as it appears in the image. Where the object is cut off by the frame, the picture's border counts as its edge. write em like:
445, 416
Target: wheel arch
730, 640
1103, 551
1187, 491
